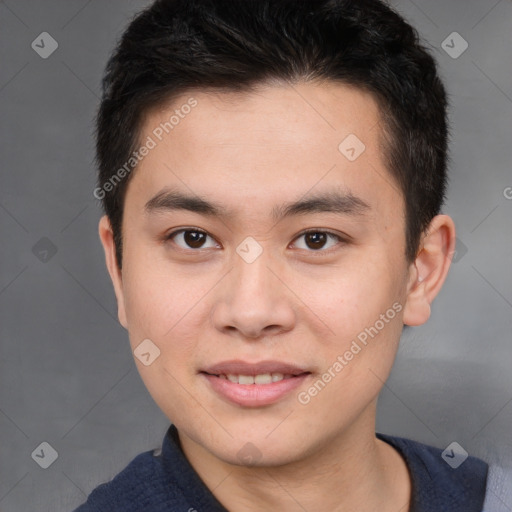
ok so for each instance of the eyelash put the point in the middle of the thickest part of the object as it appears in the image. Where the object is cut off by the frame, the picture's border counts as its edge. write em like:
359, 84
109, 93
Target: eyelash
341, 239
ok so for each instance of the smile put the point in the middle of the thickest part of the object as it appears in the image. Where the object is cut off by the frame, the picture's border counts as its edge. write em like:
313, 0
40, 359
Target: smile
262, 378
253, 385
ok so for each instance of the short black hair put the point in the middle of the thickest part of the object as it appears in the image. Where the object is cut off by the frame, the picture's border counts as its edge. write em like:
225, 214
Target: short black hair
235, 45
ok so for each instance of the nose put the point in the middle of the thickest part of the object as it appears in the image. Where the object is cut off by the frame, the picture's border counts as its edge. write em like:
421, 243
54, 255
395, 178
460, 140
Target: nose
252, 300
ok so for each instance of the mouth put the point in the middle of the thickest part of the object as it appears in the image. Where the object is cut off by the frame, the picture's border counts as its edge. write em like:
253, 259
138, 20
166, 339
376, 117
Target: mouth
254, 384
259, 379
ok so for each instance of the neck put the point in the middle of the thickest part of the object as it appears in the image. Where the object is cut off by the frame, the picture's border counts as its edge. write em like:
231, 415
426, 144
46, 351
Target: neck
353, 471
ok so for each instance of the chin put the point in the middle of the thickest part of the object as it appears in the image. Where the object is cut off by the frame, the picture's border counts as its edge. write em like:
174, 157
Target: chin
260, 451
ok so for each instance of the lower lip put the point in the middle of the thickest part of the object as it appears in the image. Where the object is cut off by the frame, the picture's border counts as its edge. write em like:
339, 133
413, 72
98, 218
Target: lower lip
254, 395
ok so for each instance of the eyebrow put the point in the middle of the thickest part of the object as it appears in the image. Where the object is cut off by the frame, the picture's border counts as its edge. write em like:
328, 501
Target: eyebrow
332, 201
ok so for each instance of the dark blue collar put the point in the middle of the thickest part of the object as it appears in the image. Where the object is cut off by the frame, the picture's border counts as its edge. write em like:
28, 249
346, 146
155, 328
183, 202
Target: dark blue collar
436, 487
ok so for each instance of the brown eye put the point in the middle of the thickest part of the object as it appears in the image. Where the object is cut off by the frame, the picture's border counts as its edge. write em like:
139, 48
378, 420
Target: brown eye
317, 241
192, 239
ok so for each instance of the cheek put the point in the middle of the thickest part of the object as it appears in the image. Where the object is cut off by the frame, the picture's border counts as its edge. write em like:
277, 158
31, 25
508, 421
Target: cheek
356, 367
363, 309
352, 297
167, 311
157, 303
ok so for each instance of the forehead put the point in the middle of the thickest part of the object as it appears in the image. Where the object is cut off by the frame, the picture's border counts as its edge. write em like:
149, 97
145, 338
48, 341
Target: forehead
264, 145
306, 116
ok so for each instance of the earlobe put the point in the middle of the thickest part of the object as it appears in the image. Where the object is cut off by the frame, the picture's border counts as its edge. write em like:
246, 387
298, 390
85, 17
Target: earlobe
107, 240
429, 270
417, 306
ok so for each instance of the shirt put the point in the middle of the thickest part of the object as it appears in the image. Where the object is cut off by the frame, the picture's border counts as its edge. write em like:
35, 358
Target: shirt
164, 481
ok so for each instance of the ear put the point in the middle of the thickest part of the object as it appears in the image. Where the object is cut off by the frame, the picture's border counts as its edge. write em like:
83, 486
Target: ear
429, 270
107, 239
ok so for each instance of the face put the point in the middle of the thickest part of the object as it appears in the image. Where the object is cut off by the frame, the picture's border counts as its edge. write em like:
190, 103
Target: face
260, 241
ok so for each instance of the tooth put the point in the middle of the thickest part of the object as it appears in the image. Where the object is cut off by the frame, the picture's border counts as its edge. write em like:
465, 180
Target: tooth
264, 378
222, 376
245, 379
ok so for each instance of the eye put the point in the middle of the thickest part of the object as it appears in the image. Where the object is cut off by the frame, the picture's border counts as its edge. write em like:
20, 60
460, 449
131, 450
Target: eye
316, 240
192, 239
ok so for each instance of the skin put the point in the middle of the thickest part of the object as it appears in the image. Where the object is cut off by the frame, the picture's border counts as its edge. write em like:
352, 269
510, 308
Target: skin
252, 152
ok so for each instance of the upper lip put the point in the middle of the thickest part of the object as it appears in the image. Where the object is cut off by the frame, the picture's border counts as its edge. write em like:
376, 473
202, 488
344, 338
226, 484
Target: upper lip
238, 367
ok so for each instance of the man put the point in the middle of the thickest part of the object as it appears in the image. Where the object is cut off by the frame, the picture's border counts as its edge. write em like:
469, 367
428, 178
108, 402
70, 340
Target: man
272, 174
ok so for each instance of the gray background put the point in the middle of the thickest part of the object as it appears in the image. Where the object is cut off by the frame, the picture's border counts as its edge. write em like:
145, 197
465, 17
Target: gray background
67, 376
